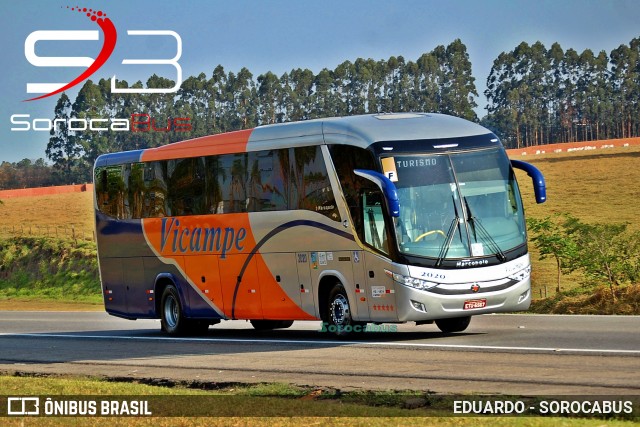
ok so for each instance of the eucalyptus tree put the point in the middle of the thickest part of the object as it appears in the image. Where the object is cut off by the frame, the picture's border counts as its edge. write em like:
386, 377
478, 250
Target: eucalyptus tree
194, 101
269, 95
63, 148
216, 88
298, 89
458, 84
625, 68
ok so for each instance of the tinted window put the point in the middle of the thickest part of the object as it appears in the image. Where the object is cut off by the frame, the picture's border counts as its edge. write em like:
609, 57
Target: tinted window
214, 179
136, 189
110, 191
269, 180
266, 187
186, 186
232, 180
345, 160
100, 183
310, 187
155, 196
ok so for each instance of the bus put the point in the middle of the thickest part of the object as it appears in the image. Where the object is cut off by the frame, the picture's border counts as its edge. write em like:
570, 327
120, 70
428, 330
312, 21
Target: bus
353, 221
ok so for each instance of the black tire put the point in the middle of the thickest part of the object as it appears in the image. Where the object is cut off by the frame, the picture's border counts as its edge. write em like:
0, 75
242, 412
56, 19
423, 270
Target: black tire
172, 320
338, 313
267, 325
455, 324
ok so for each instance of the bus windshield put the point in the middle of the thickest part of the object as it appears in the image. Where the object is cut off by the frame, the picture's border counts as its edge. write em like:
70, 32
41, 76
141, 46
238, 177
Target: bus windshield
457, 205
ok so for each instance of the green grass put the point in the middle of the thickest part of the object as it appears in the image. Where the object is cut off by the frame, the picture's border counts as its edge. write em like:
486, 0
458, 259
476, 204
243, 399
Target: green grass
592, 301
49, 269
320, 407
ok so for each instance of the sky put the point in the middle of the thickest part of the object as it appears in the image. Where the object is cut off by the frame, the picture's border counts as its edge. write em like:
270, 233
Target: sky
280, 35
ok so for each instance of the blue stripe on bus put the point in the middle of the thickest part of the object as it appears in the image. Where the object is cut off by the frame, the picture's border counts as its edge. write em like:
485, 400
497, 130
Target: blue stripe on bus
119, 158
272, 233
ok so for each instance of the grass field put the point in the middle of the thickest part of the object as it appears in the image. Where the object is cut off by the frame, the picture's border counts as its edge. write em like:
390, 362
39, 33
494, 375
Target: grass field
46, 268
594, 186
59, 215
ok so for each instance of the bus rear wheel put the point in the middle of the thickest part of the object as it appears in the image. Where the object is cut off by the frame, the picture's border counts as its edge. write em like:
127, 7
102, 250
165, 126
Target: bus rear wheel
267, 325
172, 319
338, 315
455, 324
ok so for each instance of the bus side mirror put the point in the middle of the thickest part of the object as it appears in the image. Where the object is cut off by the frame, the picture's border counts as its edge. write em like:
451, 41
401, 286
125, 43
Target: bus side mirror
539, 186
388, 189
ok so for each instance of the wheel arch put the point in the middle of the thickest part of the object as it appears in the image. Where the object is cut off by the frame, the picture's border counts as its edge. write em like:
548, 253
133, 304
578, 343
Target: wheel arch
163, 280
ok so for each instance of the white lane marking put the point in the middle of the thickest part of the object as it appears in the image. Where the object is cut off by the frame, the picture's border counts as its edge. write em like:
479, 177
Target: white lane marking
334, 342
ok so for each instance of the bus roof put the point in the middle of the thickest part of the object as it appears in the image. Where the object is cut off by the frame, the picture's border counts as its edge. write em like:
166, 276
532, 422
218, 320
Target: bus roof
361, 131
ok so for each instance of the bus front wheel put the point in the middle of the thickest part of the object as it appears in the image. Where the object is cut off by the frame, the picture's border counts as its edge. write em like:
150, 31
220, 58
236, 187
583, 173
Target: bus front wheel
171, 318
455, 324
339, 320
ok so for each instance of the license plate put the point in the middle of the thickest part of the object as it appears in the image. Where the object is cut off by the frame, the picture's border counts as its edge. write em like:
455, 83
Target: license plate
475, 303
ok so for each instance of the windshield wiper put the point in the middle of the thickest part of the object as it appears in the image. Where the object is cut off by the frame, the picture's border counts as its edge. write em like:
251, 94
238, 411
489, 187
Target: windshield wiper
447, 243
445, 248
478, 228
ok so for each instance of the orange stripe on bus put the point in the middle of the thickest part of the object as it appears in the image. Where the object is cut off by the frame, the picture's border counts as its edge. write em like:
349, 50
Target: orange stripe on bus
276, 304
211, 250
232, 142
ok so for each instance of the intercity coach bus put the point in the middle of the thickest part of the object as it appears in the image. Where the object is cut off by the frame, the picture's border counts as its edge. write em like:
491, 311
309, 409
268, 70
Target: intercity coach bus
383, 218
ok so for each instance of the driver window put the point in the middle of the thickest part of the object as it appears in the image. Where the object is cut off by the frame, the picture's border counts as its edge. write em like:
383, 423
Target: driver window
375, 232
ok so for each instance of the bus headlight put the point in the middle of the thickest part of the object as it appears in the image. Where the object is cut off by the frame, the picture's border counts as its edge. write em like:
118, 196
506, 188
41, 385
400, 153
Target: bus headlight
411, 282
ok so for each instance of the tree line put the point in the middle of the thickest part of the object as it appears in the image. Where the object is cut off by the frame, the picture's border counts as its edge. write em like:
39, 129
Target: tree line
541, 96
27, 173
535, 96
440, 80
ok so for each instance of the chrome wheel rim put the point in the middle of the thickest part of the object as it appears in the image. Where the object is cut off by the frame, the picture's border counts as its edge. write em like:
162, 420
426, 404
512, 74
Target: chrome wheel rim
339, 310
171, 311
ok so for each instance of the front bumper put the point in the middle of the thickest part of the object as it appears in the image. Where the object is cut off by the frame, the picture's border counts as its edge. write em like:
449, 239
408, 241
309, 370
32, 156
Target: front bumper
444, 302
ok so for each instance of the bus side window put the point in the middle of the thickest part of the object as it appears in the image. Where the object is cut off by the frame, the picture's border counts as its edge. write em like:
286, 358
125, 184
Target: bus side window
155, 190
136, 190
345, 159
266, 187
126, 200
230, 184
101, 188
186, 186
375, 231
114, 193
310, 187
